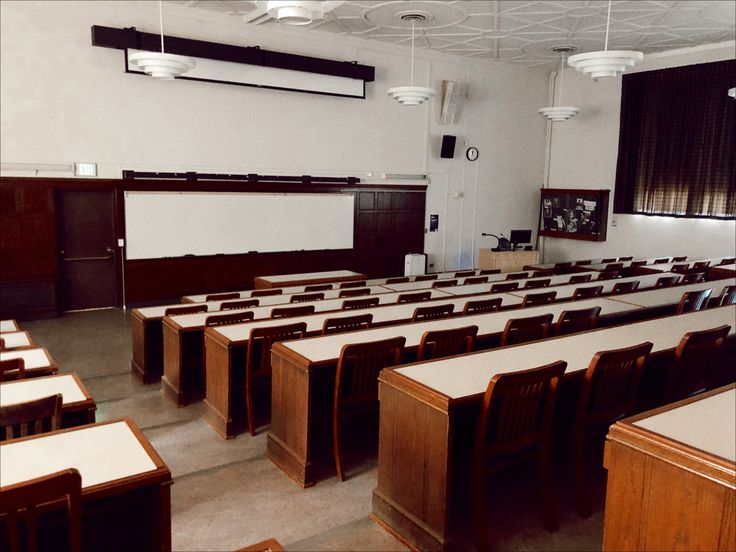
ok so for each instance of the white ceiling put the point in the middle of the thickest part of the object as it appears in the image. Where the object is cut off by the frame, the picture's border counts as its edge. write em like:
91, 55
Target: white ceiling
517, 31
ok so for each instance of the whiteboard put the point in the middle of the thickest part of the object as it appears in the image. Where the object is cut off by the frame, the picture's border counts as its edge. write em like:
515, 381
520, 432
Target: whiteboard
175, 224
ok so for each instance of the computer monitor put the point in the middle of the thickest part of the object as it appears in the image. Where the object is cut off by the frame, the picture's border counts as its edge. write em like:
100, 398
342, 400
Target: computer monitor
520, 236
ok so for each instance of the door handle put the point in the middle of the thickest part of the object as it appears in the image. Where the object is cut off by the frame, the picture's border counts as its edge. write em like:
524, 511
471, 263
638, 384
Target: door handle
105, 258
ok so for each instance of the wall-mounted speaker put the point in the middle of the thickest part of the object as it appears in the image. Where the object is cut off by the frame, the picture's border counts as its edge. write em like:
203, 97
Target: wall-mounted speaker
448, 146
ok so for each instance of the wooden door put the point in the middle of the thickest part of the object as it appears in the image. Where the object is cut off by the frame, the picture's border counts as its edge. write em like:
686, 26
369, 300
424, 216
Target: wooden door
87, 253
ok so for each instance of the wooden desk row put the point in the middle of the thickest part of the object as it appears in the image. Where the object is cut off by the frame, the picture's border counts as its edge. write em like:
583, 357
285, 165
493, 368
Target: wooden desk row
37, 360
8, 326
16, 340
306, 278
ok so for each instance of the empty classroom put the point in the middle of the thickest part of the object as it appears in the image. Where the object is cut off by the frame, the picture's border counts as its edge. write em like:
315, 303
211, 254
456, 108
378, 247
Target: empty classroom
399, 275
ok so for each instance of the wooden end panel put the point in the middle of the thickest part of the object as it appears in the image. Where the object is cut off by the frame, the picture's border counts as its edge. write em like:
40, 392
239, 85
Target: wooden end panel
171, 383
225, 385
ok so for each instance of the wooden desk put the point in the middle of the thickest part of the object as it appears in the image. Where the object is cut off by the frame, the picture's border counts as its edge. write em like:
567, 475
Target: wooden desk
304, 376
507, 261
78, 406
126, 494
8, 326
16, 340
672, 477
38, 361
462, 288
429, 410
283, 280
284, 296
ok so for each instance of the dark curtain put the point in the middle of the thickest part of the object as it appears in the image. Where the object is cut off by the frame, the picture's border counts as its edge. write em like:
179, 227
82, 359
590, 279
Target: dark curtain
677, 142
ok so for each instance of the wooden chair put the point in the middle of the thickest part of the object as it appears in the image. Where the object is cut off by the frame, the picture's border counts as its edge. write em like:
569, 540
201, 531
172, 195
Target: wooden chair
489, 271
727, 296
354, 284
268, 545
679, 268
483, 305
19, 506
399, 280
608, 393
515, 425
587, 292
306, 297
608, 260
476, 280
573, 321
444, 283
318, 287
635, 264
360, 303
666, 281
504, 286
12, 369
230, 318
464, 274
414, 297
580, 278
266, 292
534, 299
517, 276
244, 304
536, 284
693, 278
562, 266
222, 296
258, 361
624, 259
678, 259
356, 384
608, 275
727, 261
425, 277
542, 273
347, 323
697, 358
188, 309
443, 343
356, 292
693, 301
522, 330
287, 312
625, 287
433, 312
613, 266
2, 344
661, 261
583, 262
700, 266
30, 418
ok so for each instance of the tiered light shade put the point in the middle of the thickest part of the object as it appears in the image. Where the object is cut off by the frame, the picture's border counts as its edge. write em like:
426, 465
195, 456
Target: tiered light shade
608, 63
162, 65
559, 114
411, 95
732, 92
298, 12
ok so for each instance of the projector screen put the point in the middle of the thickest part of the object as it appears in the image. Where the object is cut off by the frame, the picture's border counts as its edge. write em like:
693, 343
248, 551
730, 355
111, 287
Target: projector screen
175, 224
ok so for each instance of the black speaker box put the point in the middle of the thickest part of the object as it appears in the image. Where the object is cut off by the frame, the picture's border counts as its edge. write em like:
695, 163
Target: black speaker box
448, 146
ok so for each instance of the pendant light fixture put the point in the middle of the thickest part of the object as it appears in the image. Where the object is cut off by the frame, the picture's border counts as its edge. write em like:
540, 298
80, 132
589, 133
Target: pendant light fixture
732, 92
559, 114
608, 63
298, 12
162, 65
411, 95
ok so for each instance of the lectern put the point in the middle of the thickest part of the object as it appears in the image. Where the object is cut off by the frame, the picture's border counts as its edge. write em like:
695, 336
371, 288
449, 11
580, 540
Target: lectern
507, 261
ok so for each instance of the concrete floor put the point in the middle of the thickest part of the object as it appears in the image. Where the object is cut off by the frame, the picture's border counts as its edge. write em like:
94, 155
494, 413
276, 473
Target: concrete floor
228, 494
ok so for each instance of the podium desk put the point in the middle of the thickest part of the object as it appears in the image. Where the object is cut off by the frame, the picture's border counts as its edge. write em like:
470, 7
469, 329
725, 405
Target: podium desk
37, 360
306, 278
304, 374
672, 477
126, 493
429, 411
8, 326
78, 406
16, 340
507, 261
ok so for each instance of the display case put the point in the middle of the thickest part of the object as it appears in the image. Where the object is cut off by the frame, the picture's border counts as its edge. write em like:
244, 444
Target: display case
574, 214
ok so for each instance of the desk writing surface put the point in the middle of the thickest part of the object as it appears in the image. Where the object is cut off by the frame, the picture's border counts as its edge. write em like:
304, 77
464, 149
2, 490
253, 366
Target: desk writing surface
8, 326
468, 375
671, 295
462, 287
310, 276
37, 357
101, 452
708, 424
18, 391
440, 276
568, 290
16, 339
279, 298
321, 348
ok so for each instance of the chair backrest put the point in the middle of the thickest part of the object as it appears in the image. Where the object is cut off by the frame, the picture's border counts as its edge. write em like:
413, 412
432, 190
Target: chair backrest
19, 506
608, 275
608, 260
521, 330
482, 305
533, 299
504, 286
353, 284
583, 262
442, 343
425, 277
230, 318
542, 273
561, 267
693, 301
700, 266
726, 261
265, 292
2, 343
587, 292
399, 280
610, 385
679, 259
580, 278
29, 418
580, 320
666, 281
12, 369
414, 297
356, 292
679, 268
661, 261
187, 309
464, 274
318, 287
286, 312
693, 278
222, 296
260, 340
535, 284
243, 304
728, 296
696, 361
476, 280
435, 311
634, 264
306, 297
517, 275
360, 303
625, 287
613, 266
347, 323
489, 271
444, 283
626, 259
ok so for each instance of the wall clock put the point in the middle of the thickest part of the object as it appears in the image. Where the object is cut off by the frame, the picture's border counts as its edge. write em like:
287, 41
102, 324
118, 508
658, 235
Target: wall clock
471, 154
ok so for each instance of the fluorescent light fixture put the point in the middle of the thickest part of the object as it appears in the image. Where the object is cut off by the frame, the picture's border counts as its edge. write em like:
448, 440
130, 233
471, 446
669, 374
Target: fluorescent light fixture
85, 169
403, 176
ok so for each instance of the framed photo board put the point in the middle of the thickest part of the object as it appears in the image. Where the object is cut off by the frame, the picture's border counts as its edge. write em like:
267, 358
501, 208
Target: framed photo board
574, 214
